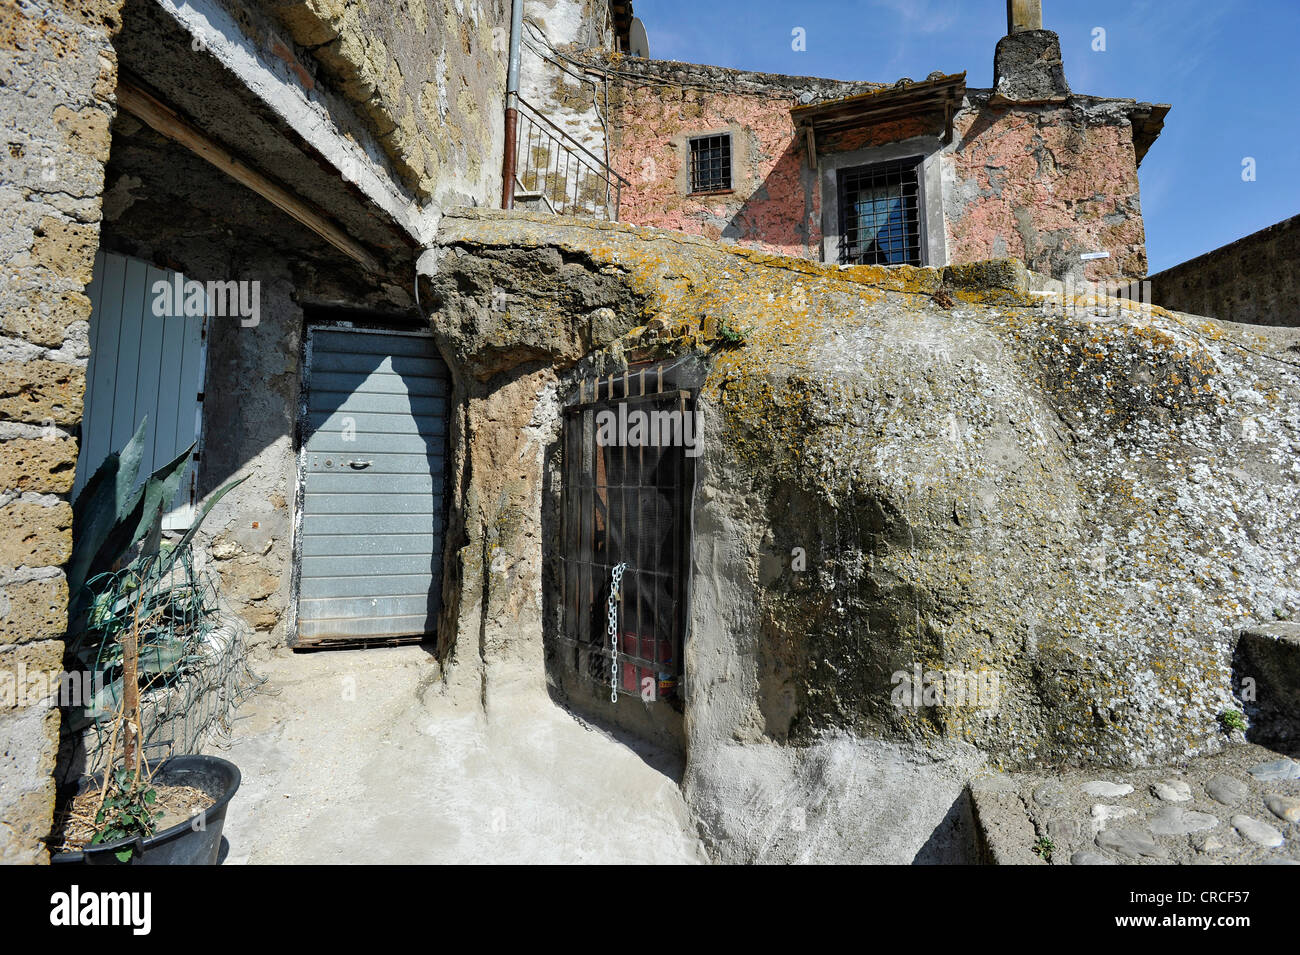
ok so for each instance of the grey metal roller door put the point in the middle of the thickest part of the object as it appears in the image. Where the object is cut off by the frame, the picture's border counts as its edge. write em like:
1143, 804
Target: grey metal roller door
373, 486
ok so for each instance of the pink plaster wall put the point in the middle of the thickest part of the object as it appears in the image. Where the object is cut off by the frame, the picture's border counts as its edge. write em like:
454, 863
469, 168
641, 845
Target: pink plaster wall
773, 204
1043, 184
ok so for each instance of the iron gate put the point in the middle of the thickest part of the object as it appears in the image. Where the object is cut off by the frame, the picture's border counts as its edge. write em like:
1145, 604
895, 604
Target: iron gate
628, 501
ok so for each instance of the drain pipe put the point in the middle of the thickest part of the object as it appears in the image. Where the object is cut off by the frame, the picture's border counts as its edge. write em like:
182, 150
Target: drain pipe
512, 105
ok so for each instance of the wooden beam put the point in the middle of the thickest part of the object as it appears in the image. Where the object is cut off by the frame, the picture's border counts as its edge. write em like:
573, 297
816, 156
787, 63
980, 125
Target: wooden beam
158, 116
812, 146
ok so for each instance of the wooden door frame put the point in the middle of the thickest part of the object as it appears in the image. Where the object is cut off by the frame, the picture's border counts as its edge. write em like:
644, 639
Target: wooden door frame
360, 327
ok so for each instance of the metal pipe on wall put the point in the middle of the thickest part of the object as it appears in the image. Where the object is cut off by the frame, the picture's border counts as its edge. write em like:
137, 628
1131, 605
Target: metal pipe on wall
512, 107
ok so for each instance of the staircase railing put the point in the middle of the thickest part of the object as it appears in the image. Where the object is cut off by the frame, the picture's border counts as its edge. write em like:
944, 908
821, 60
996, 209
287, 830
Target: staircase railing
553, 168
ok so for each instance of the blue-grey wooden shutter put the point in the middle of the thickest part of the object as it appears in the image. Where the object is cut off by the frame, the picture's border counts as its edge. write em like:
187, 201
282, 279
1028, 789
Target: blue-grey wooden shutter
140, 365
374, 457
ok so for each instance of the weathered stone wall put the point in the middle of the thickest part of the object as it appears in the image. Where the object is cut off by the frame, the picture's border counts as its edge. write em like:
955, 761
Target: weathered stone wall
509, 322
429, 75
1085, 504
657, 105
57, 75
567, 96
1255, 280
249, 534
1044, 183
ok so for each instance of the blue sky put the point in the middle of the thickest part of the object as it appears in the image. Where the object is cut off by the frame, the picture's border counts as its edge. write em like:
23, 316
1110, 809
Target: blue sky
1229, 69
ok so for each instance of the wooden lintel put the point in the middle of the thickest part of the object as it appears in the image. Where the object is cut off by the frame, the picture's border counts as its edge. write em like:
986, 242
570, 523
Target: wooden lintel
934, 115
157, 115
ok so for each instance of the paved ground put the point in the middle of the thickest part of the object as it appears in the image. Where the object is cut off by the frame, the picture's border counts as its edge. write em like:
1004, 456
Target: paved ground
347, 757
1241, 806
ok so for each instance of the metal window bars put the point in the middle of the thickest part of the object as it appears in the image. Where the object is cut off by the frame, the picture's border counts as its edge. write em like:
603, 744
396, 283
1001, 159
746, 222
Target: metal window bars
711, 163
880, 214
626, 503
556, 171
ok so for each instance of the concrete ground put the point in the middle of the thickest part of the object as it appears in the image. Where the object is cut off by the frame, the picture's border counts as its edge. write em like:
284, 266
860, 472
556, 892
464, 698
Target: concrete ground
355, 756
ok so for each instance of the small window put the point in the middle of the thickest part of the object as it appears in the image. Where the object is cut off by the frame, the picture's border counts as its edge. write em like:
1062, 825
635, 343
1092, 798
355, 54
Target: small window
711, 163
880, 214
626, 503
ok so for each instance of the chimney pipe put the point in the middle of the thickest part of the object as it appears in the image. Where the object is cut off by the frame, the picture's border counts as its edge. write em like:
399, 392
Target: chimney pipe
1024, 15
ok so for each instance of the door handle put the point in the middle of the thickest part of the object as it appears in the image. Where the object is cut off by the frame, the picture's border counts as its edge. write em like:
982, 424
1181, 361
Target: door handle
359, 465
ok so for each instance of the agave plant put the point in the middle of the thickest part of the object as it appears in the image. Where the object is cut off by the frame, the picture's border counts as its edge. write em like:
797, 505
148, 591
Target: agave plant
117, 537
120, 564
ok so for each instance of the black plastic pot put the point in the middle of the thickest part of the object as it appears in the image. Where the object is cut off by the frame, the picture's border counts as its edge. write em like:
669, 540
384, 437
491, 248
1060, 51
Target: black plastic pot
197, 841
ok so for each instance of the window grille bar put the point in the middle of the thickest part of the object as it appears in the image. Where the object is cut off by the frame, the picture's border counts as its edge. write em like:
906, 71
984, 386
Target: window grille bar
880, 214
634, 501
711, 163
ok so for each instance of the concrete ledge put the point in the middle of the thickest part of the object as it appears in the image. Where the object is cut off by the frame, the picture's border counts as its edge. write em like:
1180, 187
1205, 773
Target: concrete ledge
1003, 832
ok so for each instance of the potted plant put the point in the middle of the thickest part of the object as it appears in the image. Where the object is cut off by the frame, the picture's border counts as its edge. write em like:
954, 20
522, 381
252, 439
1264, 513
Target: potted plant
117, 816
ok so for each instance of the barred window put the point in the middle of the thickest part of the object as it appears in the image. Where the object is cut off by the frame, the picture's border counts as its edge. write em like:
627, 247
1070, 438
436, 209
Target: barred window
711, 163
880, 214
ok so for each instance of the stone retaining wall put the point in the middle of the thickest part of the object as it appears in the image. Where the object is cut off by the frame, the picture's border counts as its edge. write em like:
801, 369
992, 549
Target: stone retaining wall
56, 103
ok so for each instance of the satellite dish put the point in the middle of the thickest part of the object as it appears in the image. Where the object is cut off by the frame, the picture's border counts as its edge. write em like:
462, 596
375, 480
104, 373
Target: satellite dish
637, 43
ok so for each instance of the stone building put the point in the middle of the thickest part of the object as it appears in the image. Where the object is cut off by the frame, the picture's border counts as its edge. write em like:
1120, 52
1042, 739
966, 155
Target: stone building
923, 173
410, 384
1255, 280
298, 155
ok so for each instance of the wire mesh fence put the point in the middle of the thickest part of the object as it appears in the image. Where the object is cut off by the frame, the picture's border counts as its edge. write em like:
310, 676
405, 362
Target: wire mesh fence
193, 662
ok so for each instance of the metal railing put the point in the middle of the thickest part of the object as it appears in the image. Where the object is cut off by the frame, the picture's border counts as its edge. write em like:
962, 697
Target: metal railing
554, 169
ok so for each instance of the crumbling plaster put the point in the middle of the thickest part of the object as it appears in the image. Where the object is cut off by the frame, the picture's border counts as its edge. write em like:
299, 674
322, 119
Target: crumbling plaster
657, 106
421, 72
566, 94
1044, 183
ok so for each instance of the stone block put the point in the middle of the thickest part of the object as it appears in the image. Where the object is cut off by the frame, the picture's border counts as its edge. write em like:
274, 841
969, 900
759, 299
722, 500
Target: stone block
39, 533
1027, 68
33, 610
42, 391
36, 464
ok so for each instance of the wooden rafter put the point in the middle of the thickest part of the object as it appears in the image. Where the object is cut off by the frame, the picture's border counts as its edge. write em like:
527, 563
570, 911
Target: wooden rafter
157, 115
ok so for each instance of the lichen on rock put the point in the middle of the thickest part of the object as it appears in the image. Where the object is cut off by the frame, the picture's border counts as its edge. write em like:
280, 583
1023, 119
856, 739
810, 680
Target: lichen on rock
1082, 501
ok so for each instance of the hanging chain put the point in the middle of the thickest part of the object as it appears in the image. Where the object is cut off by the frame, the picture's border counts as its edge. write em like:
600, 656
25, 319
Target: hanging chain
615, 582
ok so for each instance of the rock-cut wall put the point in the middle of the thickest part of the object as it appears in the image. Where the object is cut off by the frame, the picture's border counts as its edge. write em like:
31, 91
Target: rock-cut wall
911, 478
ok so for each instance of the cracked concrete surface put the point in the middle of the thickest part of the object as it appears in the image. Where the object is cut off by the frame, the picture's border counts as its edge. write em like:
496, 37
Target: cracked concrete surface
357, 756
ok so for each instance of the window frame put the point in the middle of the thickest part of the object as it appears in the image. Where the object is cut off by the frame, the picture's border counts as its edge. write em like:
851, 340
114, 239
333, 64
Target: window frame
915, 164
934, 230
691, 166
